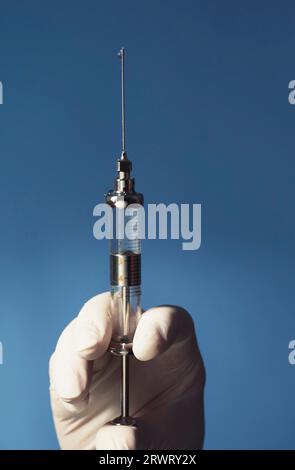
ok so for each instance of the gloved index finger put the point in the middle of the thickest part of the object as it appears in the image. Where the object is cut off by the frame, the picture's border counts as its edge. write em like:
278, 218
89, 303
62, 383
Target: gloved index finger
86, 338
94, 327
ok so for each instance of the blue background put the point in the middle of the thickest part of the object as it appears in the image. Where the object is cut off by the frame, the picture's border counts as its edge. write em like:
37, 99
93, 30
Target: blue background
208, 121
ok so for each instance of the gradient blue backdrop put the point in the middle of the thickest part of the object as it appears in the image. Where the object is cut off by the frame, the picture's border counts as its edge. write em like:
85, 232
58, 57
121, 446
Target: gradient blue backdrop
209, 122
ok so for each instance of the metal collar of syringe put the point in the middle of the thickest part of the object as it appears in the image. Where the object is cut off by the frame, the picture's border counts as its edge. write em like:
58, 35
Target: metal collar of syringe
124, 187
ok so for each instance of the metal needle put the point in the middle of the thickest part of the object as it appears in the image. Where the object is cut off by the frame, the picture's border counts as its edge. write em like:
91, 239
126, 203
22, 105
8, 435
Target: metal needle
121, 54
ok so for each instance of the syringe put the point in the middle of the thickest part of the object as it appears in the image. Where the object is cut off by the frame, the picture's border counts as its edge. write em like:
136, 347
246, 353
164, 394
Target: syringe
125, 265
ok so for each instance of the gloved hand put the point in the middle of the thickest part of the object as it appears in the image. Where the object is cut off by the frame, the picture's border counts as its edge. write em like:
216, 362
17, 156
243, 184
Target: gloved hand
166, 382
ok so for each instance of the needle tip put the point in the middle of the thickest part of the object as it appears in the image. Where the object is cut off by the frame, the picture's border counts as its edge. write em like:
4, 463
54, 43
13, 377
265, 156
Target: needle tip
121, 52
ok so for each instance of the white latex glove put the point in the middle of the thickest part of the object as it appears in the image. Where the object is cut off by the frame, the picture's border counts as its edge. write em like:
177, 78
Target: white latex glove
166, 382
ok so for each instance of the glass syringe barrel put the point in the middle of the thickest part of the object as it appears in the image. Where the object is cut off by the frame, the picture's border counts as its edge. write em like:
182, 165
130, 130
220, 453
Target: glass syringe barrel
125, 260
